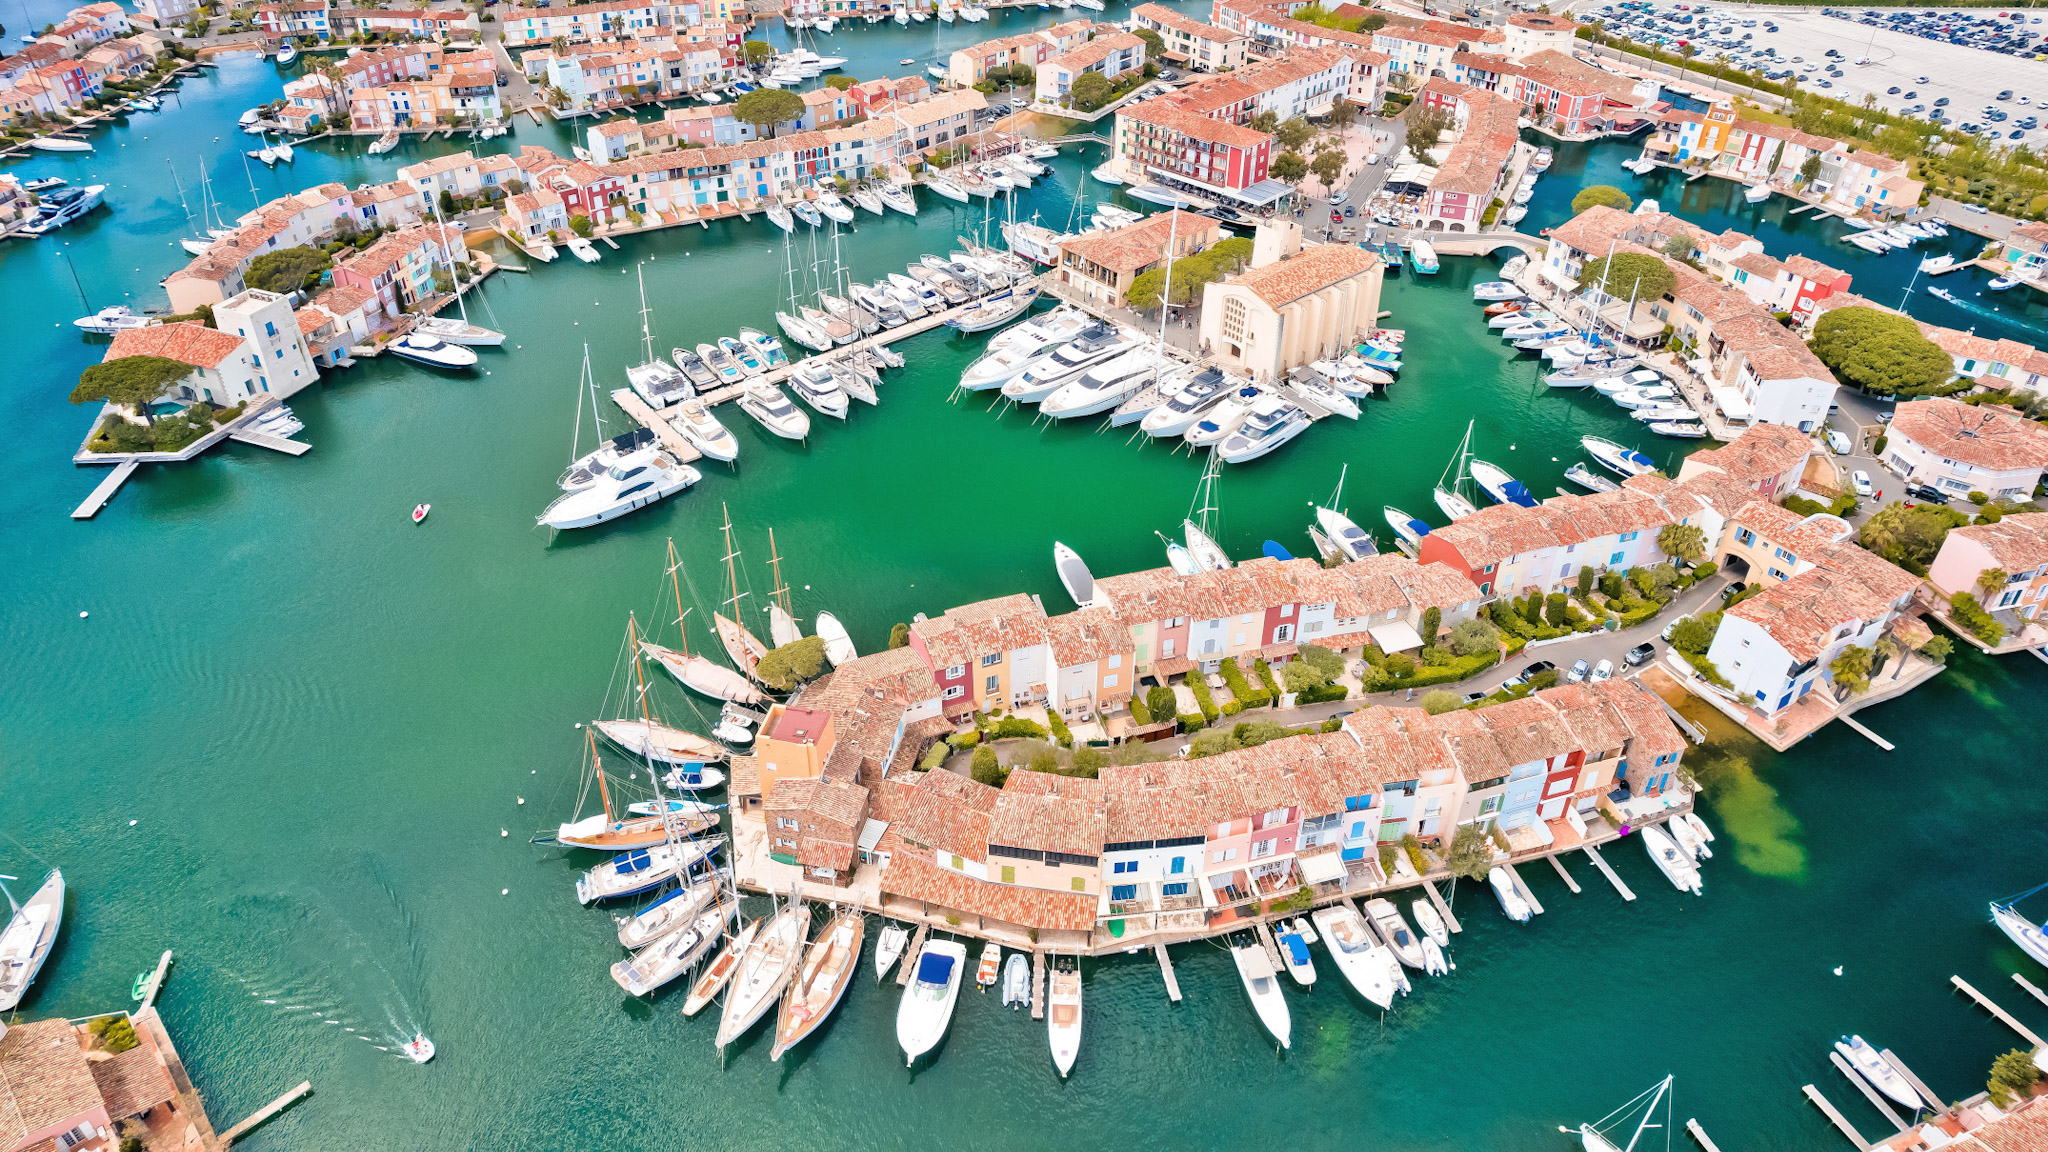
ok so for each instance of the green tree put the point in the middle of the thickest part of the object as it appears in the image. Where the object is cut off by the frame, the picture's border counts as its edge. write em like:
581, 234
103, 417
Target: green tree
131, 382
1044, 760
580, 225
1909, 537
287, 270
1328, 166
1265, 121
1693, 635
1302, 676
1879, 352
1629, 276
1938, 649
1471, 855
1601, 194
790, 665
1288, 167
1473, 637
986, 768
1432, 623
1426, 126
1851, 670
1090, 91
765, 108
899, 635
1679, 247
1294, 133
757, 50
1684, 541
1155, 44
1213, 742
840, 83
1438, 701
2013, 1077
1809, 168
1342, 113
1532, 609
1990, 581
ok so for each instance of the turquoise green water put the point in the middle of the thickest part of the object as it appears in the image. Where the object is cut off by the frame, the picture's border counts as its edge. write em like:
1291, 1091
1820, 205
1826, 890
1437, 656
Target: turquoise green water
320, 718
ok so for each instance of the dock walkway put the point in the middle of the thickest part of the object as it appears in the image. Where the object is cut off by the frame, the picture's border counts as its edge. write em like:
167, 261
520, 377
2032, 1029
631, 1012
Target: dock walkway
1037, 985
105, 490
1834, 1114
266, 1112
1443, 907
632, 405
2003, 1016
909, 963
1562, 874
1607, 870
1166, 972
1528, 895
274, 443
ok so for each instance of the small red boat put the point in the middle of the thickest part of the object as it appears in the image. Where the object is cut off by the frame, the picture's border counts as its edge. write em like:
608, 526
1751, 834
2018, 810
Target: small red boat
419, 512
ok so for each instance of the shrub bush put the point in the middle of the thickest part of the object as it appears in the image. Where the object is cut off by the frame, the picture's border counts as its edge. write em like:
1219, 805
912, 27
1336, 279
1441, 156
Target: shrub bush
1971, 615
1231, 708
965, 739
1265, 672
1060, 731
1322, 695
1159, 699
1139, 712
1247, 696
1191, 723
1556, 609
1200, 687
1016, 727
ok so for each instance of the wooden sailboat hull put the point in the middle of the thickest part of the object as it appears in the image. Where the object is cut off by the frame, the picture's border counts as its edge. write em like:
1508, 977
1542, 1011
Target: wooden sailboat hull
705, 678
660, 743
764, 971
600, 834
719, 970
816, 992
743, 647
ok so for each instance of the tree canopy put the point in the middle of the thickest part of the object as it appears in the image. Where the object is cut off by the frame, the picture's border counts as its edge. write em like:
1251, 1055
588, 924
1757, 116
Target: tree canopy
1684, 541
795, 662
1606, 194
1155, 44
1190, 274
756, 50
1426, 126
131, 381
840, 83
1294, 133
287, 270
1090, 91
1288, 166
1629, 276
1328, 166
1909, 537
1879, 352
764, 108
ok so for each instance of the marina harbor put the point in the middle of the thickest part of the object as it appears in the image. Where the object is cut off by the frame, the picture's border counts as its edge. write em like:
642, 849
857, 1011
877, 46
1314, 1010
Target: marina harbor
920, 568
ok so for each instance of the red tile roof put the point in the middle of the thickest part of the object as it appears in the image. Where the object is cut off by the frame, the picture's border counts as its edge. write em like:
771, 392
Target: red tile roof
913, 878
1988, 436
184, 340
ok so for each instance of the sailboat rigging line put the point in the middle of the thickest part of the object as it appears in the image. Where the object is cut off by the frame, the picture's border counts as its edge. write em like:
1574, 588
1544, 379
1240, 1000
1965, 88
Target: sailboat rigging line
27, 849
2007, 900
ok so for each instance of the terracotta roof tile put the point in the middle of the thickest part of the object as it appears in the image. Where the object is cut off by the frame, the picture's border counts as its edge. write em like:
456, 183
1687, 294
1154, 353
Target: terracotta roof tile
1284, 281
185, 340
2017, 543
912, 877
1988, 436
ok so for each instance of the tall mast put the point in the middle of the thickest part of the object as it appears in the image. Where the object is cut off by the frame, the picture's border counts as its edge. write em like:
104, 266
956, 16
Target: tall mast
448, 258
597, 768
1166, 293
732, 579
180, 185
668, 818
254, 195
646, 334
775, 566
675, 579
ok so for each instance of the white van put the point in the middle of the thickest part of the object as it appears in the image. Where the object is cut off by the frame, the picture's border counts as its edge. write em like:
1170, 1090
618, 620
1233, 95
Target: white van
1838, 442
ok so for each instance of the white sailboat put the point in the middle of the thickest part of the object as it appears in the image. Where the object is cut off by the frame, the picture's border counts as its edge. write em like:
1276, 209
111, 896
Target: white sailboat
766, 968
643, 870
926, 1009
1262, 985
652, 740
1204, 521
696, 672
449, 329
718, 972
2032, 938
838, 645
741, 646
30, 935
669, 912
654, 966
1450, 486
1598, 1136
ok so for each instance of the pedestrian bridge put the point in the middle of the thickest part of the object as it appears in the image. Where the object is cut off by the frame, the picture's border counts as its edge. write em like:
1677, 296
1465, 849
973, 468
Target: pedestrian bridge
1482, 243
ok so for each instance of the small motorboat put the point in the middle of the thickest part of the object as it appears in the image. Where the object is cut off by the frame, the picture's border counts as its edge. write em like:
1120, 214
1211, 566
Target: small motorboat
693, 777
1756, 193
719, 971
991, 965
114, 318
838, 645
1393, 928
582, 249
1074, 574
1502, 487
2000, 283
926, 1008
1671, 860
419, 1049
1509, 894
1405, 526
1699, 826
1935, 264
1617, 459
1016, 981
1872, 1066
1494, 290
889, 949
1688, 841
1433, 961
1295, 956
419, 512
1431, 922
1263, 988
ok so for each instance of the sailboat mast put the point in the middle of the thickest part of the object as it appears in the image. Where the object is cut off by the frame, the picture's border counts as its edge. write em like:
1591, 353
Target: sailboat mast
775, 566
448, 258
732, 578
1166, 293
597, 768
180, 185
668, 819
675, 579
646, 334
1649, 1113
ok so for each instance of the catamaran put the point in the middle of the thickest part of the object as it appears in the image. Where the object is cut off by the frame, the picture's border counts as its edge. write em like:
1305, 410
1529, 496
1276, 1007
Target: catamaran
30, 935
768, 965
821, 982
927, 1005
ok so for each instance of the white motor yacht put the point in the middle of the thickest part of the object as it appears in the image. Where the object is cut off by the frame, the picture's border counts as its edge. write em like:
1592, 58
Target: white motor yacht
767, 404
694, 420
29, 937
1294, 955
927, 1005
1872, 1066
1671, 860
1271, 423
1393, 929
997, 310
816, 386
114, 318
450, 330
1104, 386
1509, 894
767, 347
723, 366
1043, 376
582, 249
1617, 459
660, 383
640, 479
870, 200
1262, 985
909, 287
1364, 963
1354, 542
780, 217
425, 349
1195, 396
1063, 1016
1223, 417
586, 469
831, 205
1688, 840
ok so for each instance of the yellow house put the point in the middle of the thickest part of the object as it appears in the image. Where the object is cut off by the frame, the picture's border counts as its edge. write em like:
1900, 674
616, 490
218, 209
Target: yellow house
793, 745
1295, 310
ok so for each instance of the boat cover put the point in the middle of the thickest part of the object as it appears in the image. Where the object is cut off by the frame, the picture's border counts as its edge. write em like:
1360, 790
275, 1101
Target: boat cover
632, 862
934, 968
1297, 949
1274, 550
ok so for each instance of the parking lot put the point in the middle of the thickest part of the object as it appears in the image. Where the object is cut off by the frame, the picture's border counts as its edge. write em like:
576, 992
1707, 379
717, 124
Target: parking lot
1968, 78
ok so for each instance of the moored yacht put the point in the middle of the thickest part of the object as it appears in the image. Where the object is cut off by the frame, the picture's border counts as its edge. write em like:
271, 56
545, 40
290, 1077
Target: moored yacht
693, 419
1104, 386
30, 935
1503, 488
1270, 423
451, 330
114, 318
1622, 461
642, 478
771, 408
1180, 411
1405, 526
1063, 1015
424, 349
1671, 860
669, 912
1223, 417
765, 969
1263, 988
816, 386
1364, 963
1049, 371
927, 1005
1354, 542
1509, 894
643, 870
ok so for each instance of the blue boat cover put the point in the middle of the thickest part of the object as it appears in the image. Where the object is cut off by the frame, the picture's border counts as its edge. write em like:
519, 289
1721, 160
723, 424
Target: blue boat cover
632, 862
1297, 948
934, 968
1517, 493
1418, 527
1274, 550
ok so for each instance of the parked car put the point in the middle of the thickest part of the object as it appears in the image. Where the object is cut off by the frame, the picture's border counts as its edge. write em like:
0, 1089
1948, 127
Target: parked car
1528, 674
1927, 492
1733, 590
1639, 655
1860, 481
1340, 196
1602, 671
1578, 672
1474, 697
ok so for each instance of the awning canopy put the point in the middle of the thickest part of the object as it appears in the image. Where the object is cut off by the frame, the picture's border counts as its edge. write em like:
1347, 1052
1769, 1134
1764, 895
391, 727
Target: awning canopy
1732, 403
871, 834
1395, 637
1321, 868
1701, 365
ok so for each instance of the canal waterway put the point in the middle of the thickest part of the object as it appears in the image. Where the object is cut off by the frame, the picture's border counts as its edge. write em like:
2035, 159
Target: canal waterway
292, 738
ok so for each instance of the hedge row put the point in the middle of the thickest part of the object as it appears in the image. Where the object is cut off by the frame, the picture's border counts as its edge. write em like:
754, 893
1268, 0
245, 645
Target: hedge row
1060, 731
1326, 693
1200, 688
1246, 695
1139, 712
1972, 616
1453, 670
1265, 673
